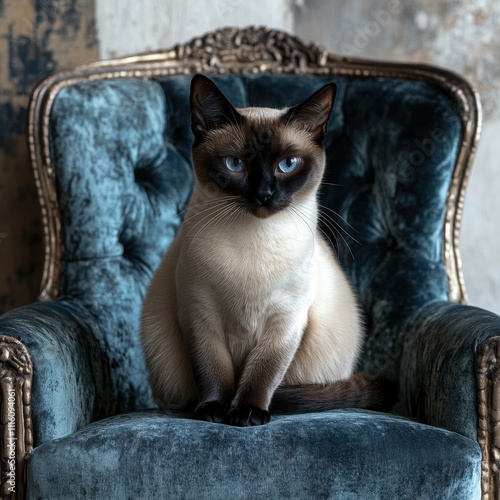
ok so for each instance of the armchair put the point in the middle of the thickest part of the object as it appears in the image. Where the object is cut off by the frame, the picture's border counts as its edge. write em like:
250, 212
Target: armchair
110, 145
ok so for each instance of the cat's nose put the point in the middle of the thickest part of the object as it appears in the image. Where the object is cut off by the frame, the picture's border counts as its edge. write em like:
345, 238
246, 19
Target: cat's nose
264, 195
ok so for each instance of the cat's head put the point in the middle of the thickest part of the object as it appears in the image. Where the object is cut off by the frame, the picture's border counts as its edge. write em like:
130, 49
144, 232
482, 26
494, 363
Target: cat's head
266, 157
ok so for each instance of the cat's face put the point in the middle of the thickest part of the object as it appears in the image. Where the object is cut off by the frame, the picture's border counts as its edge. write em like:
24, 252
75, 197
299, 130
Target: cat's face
266, 157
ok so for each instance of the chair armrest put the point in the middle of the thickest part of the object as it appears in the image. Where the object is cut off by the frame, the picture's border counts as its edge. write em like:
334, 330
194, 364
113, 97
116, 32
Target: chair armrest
450, 377
438, 366
67, 368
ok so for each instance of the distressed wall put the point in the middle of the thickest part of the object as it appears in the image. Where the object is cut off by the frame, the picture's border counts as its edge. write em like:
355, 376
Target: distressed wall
126, 26
457, 34
460, 35
36, 38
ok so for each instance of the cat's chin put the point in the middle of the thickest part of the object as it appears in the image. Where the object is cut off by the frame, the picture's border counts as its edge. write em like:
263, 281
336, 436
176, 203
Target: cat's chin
262, 212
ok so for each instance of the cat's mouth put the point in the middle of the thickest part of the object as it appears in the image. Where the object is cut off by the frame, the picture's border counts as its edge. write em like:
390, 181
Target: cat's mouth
262, 212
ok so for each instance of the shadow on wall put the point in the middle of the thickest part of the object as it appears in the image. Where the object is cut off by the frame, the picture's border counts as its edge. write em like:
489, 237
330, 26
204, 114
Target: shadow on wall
36, 38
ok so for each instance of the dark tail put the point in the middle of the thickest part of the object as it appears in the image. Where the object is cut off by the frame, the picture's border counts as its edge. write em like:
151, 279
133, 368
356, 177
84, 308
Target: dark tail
359, 391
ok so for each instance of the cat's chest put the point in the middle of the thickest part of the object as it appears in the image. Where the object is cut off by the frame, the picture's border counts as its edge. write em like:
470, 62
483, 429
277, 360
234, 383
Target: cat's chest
257, 287
250, 269
245, 277
256, 262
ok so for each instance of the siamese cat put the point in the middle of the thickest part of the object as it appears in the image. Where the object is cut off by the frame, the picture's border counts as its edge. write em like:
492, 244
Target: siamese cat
249, 312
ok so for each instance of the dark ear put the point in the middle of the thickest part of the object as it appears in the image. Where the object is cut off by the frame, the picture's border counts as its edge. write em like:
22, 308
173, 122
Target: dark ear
209, 108
314, 112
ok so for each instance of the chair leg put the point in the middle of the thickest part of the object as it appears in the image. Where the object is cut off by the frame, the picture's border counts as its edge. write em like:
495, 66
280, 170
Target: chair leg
16, 434
488, 396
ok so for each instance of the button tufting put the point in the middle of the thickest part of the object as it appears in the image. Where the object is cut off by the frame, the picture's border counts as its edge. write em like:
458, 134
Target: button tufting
150, 172
125, 239
370, 176
143, 174
391, 242
123, 245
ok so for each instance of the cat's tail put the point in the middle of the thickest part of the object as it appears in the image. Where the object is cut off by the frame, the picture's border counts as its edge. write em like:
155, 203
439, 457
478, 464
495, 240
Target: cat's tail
359, 391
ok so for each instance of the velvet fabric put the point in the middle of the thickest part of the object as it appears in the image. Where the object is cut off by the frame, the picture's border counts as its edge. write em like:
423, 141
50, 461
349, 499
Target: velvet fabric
120, 150
71, 373
437, 377
335, 455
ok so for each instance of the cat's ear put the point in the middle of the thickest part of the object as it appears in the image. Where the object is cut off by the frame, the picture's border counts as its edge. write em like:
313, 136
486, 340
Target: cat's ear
313, 113
209, 107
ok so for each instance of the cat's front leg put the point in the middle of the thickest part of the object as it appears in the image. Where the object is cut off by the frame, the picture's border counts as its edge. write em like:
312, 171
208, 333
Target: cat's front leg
264, 370
213, 371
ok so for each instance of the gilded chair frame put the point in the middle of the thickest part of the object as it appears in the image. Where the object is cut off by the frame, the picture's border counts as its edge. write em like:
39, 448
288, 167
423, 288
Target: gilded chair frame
247, 51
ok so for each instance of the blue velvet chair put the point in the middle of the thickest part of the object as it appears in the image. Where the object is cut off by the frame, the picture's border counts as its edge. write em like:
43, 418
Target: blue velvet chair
110, 145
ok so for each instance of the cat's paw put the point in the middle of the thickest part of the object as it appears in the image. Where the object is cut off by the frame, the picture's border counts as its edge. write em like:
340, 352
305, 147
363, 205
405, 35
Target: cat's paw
210, 411
246, 416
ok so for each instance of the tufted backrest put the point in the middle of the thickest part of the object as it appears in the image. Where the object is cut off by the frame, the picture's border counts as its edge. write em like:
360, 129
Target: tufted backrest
120, 150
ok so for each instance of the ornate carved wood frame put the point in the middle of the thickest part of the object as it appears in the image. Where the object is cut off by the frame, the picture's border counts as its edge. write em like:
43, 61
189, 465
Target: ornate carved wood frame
241, 51
16, 438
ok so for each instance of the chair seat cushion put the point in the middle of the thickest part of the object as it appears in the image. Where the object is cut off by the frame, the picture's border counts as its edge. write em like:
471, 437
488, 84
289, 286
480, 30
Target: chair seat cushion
340, 454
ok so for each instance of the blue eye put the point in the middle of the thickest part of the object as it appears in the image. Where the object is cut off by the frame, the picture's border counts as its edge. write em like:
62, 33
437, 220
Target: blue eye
289, 164
234, 164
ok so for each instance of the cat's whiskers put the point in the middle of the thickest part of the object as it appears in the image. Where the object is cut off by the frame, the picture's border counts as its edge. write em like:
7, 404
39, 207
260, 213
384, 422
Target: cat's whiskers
327, 217
237, 212
209, 213
213, 200
212, 219
210, 210
327, 221
319, 216
178, 214
338, 215
222, 213
303, 217
207, 205
218, 216
336, 246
